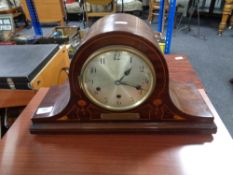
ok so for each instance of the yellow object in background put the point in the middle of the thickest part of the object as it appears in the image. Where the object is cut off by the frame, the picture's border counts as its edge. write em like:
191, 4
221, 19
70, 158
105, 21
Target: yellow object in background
162, 46
160, 39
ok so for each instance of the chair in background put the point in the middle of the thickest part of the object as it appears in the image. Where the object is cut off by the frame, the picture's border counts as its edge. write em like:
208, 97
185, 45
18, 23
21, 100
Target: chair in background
129, 6
154, 6
73, 6
49, 11
227, 12
99, 8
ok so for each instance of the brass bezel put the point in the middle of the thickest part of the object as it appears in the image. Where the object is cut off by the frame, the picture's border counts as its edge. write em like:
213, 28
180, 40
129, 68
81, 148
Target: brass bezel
115, 48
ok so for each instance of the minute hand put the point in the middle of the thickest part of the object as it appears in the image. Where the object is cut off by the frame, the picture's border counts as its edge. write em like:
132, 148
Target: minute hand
138, 87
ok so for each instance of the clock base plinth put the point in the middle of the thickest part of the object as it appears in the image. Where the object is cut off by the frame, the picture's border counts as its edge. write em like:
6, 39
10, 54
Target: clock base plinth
124, 127
61, 120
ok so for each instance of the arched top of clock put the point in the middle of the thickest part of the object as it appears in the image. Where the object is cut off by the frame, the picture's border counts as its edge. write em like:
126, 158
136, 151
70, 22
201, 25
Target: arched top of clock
124, 30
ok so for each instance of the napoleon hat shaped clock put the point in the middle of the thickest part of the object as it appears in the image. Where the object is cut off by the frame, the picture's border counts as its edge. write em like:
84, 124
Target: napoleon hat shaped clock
119, 82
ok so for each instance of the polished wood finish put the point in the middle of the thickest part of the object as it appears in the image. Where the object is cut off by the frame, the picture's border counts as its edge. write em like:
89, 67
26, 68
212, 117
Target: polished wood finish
172, 107
92, 13
48, 11
12, 98
180, 70
130, 154
54, 72
227, 11
58, 97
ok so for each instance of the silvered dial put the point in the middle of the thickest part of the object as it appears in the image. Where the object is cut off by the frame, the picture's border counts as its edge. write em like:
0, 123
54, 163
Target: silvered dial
117, 78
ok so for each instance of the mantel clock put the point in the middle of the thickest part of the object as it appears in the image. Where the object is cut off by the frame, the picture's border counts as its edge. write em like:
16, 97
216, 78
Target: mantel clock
119, 82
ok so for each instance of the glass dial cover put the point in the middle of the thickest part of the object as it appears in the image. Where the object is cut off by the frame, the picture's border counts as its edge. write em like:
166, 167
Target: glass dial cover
117, 78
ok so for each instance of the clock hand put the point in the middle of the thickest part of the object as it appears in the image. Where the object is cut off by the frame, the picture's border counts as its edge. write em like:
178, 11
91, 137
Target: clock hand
126, 73
138, 87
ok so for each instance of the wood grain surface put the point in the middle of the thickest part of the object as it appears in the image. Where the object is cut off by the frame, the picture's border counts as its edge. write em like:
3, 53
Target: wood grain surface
133, 154
15, 98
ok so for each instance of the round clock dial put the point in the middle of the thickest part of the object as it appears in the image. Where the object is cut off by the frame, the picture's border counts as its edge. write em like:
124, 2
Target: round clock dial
117, 78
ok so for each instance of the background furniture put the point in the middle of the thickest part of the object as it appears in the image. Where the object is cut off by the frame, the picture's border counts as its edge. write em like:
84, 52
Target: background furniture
10, 99
170, 23
16, 14
154, 6
227, 11
99, 8
73, 7
129, 6
211, 6
102, 154
48, 11
34, 18
32, 66
25, 67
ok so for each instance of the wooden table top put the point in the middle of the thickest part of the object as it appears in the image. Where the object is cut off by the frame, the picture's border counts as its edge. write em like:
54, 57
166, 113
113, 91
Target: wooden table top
125, 154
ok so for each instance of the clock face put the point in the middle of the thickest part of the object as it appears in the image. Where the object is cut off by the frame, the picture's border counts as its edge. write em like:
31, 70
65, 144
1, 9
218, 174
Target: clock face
117, 78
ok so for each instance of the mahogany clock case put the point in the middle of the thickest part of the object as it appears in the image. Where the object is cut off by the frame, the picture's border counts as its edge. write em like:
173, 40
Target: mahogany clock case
171, 107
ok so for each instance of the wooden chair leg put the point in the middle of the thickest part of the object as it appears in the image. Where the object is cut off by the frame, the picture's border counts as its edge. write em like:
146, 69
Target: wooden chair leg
150, 18
223, 23
226, 14
150, 13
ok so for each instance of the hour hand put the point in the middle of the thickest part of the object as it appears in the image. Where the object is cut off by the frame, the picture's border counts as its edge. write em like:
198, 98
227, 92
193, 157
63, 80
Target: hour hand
126, 73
